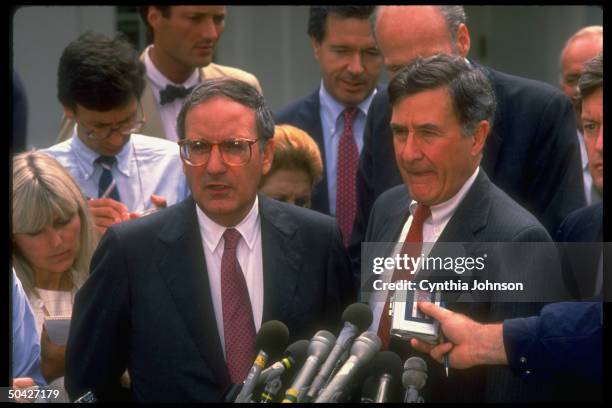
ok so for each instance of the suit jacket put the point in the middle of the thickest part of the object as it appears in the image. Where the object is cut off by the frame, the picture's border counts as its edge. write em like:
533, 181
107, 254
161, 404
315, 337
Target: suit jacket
147, 305
153, 125
485, 215
305, 113
531, 153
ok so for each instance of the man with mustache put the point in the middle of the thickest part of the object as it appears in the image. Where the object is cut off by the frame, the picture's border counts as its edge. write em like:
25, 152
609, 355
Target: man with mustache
334, 114
177, 297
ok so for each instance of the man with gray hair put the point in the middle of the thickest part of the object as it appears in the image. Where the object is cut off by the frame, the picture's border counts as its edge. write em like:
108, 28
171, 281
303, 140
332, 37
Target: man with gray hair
177, 297
580, 48
531, 154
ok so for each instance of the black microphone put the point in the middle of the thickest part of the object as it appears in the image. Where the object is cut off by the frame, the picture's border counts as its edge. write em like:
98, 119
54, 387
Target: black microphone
319, 347
271, 340
362, 351
293, 358
357, 318
386, 366
414, 378
369, 390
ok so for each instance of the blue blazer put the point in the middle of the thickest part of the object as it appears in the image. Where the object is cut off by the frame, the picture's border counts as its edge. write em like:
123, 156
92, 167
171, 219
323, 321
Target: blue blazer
147, 305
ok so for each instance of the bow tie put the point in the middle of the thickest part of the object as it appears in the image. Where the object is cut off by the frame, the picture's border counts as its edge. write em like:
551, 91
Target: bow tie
171, 92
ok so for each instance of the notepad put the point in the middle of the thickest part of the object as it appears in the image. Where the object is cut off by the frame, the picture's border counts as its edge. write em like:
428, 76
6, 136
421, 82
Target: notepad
57, 328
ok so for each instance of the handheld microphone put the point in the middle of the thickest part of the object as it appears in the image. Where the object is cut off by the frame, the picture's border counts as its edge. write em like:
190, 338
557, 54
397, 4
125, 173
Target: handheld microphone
357, 318
271, 339
362, 351
414, 378
387, 367
294, 357
319, 347
369, 390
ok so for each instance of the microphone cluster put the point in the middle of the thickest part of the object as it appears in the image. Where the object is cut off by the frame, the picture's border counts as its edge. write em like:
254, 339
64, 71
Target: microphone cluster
329, 368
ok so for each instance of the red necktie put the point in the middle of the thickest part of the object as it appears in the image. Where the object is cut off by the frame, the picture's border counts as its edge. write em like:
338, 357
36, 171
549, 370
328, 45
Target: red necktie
238, 324
412, 247
346, 174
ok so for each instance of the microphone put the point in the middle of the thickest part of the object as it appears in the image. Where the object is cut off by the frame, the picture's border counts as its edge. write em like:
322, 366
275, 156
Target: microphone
369, 390
362, 351
319, 347
357, 318
271, 339
387, 367
414, 378
294, 357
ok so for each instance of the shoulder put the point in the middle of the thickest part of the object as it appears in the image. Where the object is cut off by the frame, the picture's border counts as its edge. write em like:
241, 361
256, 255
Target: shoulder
582, 224
302, 220
154, 145
290, 111
394, 198
213, 70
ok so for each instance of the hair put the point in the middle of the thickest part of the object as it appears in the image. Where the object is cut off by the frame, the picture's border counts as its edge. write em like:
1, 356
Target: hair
592, 76
471, 93
144, 12
454, 16
236, 90
317, 20
44, 191
294, 149
99, 73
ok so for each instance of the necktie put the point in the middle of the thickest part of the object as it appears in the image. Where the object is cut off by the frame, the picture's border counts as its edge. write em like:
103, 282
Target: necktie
412, 247
106, 185
238, 324
346, 195
171, 92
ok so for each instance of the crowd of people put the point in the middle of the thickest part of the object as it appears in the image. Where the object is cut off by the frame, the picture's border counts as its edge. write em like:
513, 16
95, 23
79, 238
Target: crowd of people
177, 213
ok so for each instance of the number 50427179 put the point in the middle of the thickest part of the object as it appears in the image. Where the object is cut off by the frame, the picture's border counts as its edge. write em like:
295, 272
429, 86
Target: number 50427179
32, 393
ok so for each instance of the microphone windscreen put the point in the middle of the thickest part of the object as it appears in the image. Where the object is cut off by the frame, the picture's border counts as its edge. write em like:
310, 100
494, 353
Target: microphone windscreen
299, 351
369, 389
272, 338
386, 362
415, 373
358, 314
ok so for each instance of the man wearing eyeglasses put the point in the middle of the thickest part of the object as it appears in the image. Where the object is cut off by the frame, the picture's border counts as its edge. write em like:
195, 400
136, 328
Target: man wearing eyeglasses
124, 174
181, 298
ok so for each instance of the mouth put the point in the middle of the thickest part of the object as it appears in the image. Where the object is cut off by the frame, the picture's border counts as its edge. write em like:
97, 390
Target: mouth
60, 255
353, 85
217, 188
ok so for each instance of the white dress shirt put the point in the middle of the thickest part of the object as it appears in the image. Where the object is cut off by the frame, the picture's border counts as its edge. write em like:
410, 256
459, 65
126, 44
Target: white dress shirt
169, 111
249, 254
432, 229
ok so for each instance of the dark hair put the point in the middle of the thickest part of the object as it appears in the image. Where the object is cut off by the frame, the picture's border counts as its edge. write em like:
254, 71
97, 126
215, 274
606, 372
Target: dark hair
144, 11
592, 76
469, 88
99, 73
318, 17
236, 90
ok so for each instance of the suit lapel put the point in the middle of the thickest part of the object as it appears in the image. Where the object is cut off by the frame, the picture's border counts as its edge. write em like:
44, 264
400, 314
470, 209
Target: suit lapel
183, 267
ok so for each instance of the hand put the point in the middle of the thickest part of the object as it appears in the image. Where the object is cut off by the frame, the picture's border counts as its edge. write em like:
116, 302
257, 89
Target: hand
159, 201
52, 357
468, 343
23, 382
106, 212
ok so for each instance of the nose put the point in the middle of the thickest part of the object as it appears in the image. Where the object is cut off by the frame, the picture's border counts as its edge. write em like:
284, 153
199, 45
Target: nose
410, 151
54, 237
116, 138
215, 164
355, 66
208, 29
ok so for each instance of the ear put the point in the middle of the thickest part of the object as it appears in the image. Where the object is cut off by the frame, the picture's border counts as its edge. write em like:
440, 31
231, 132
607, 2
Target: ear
463, 40
69, 113
153, 16
316, 47
480, 137
268, 156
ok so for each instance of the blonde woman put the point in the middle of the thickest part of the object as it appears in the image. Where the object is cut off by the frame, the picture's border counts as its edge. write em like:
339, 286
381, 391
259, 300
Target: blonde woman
53, 241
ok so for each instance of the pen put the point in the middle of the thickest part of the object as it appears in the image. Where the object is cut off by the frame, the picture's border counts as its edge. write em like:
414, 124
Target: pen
442, 340
109, 190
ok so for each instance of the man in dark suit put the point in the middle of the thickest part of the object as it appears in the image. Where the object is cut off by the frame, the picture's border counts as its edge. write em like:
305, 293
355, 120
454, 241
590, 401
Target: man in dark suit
443, 109
531, 153
350, 66
176, 297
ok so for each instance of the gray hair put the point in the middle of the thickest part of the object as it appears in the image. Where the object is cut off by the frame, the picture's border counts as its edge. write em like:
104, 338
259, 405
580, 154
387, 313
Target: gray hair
471, 93
44, 191
592, 76
236, 90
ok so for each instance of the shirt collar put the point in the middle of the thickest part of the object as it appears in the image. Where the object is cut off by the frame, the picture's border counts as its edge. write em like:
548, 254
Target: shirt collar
86, 156
160, 81
441, 213
248, 228
334, 109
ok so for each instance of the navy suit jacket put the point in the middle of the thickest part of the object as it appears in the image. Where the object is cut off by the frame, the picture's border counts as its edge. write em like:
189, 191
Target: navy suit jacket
531, 153
147, 305
485, 215
305, 113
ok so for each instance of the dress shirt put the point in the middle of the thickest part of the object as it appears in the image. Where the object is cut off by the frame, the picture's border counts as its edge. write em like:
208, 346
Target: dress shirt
168, 112
590, 193
432, 229
332, 121
145, 165
26, 339
250, 258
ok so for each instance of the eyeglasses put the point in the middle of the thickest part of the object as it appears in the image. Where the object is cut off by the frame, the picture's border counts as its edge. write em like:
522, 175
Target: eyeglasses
235, 152
103, 132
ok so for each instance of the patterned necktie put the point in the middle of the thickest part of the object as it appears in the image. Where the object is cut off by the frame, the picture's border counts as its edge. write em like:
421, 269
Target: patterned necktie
171, 92
238, 324
106, 185
412, 247
346, 174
